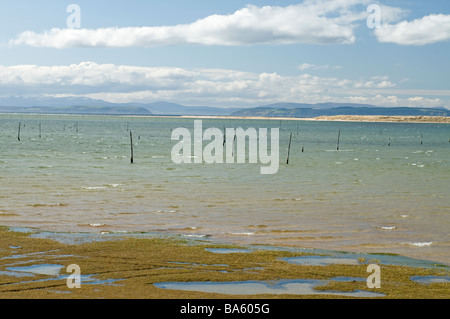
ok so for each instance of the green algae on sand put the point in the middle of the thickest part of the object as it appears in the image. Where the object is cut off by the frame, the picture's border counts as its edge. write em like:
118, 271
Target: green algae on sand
130, 268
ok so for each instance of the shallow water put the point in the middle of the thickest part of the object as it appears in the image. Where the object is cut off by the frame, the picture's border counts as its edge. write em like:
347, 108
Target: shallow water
55, 272
322, 261
40, 269
431, 279
281, 287
366, 197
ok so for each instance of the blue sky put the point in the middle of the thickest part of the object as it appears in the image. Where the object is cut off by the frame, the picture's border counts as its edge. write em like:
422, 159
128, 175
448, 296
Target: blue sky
228, 53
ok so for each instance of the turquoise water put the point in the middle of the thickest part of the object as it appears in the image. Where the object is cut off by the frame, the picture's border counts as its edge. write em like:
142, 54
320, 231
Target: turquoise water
74, 174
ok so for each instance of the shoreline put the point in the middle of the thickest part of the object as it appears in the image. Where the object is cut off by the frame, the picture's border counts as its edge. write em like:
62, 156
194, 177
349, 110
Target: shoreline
77, 237
137, 267
332, 118
340, 118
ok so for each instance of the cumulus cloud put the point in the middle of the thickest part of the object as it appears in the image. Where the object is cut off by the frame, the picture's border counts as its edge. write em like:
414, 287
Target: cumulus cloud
309, 22
215, 87
312, 22
427, 30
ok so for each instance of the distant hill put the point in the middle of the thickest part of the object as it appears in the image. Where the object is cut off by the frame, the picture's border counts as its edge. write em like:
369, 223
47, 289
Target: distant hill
328, 110
75, 105
166, 108
88, 110
326, 105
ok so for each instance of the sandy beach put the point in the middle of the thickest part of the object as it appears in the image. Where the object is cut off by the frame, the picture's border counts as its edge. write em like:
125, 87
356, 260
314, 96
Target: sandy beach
349, 118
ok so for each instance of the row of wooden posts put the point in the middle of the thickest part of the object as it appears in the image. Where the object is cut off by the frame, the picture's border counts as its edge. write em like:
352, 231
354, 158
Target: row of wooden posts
131, 140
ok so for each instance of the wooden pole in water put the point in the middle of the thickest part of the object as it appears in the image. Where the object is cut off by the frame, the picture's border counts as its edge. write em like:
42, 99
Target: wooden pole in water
339, 136
40, 131
289, 148
421, 139
18, 133
389, 141
224, 136
131, 143
232, 145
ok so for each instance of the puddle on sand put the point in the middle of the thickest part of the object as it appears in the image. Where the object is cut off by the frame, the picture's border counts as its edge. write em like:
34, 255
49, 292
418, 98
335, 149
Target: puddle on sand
431, 279
227, 250
321, 261
281, 287
47, 269
54, 271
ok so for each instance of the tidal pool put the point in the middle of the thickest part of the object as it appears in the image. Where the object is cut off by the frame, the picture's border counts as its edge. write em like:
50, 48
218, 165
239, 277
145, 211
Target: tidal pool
280, 287
321, 260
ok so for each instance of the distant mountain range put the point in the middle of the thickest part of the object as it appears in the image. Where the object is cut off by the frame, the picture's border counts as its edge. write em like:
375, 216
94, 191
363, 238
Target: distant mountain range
299, 110
71, 105
82, 109
90, 106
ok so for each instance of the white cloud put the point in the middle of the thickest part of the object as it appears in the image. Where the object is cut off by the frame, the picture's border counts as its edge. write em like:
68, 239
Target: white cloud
375, 82
216, 87
306, 66
427, 30
313, 22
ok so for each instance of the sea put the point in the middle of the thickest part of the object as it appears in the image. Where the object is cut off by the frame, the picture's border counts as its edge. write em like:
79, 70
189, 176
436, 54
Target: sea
370, 187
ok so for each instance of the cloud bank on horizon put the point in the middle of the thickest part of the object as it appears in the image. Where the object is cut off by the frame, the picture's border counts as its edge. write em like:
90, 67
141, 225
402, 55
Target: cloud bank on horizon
312, 23
125, 83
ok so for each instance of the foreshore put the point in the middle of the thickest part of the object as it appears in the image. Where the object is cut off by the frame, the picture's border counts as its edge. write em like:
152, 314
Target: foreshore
127, 267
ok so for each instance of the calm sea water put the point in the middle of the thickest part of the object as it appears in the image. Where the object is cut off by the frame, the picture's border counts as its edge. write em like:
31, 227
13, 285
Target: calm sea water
73, 173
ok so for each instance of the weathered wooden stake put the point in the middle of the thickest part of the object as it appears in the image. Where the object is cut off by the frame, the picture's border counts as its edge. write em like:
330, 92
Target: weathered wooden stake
389, 141
421, 139
339, 136
18, 133
232, 145
131, 143
289, 148
224, 136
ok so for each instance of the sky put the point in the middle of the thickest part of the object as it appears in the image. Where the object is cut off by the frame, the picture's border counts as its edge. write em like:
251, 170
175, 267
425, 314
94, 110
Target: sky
228, 53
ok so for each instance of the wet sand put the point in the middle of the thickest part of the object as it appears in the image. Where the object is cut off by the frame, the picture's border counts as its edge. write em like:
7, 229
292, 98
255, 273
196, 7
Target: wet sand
140, 268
